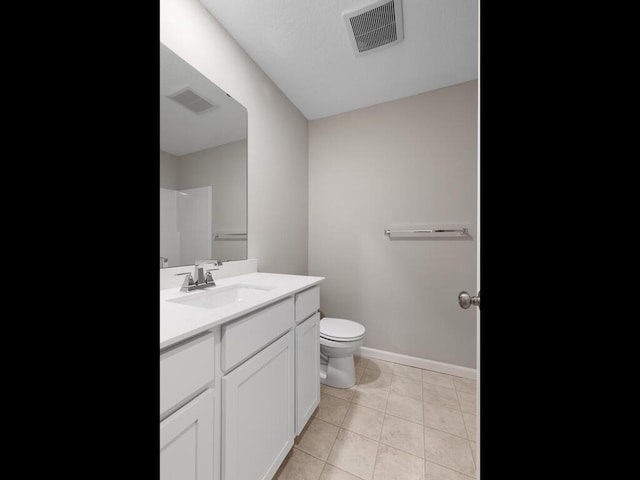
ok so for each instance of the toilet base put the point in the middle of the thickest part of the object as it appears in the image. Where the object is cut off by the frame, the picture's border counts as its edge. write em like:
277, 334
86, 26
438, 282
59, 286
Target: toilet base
341, 372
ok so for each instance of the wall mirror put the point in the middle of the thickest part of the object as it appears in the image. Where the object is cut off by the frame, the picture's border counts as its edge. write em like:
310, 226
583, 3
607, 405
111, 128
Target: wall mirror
203, 168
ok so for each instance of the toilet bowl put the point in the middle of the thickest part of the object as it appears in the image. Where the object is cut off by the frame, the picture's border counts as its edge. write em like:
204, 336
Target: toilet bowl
339, 340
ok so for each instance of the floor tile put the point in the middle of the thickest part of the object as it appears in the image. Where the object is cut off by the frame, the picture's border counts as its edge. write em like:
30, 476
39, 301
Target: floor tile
333, 473
467, 402
406, 387
448, 450
465, 385
442, 396
364, 420
444, 419
371, 397
437, 378
299, 466
404, 407
380, 366
317, 438
397, 422
404, 435
374, 379
408, 372
394, 464
360, 361
474, 450
438, 472
354, 453
344, 393
331, 409
470, 421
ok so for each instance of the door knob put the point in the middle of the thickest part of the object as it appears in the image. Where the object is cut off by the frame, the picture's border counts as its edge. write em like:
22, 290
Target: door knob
465, 300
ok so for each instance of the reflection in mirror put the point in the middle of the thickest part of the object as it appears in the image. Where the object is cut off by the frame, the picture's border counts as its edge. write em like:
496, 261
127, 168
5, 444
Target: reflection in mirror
203, 168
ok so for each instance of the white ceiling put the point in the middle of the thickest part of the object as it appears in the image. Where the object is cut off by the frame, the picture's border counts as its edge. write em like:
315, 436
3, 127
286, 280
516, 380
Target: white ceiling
303, 46
182, 131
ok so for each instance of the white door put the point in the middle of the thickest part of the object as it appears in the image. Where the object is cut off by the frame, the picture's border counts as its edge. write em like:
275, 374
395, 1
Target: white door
472, 300
187, 441
259, 405
307, 370
477, 456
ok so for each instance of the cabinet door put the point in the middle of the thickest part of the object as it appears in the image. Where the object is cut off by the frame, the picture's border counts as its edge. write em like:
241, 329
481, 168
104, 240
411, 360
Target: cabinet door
258, 405
187, 441
307, 370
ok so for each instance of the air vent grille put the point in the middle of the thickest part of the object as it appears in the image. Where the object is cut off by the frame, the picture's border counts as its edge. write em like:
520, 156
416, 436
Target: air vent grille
191, 100
375, 26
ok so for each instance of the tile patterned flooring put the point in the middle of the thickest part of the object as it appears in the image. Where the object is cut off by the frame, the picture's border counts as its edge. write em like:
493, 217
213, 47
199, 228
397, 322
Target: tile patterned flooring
396, 423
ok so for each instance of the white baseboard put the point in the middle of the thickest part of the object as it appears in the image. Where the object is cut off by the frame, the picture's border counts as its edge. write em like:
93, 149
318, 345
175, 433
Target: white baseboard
424, 363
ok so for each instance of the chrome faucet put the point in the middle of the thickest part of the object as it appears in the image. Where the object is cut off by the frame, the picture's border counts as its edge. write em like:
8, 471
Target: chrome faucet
203, 281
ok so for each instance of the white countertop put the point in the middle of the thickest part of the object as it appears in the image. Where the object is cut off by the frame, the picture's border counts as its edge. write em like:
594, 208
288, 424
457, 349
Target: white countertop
180, 321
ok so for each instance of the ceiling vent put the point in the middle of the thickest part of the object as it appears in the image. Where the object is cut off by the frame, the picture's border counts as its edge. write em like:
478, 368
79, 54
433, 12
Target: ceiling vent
377, 25
192, 100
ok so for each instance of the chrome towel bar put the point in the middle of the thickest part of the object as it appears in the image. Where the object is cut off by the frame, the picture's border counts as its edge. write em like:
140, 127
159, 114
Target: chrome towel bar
230, 236
436, 232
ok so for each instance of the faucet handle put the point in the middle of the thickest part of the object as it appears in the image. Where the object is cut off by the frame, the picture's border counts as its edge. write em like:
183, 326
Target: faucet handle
188, 281
209, 278
188, 278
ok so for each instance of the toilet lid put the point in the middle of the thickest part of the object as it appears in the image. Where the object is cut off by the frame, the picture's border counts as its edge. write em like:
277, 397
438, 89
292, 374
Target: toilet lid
340, 329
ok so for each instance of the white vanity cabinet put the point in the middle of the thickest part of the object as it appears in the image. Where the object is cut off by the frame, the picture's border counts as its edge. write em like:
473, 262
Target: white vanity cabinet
233, 398
187, 441
258, 399
258, 405
307, 339
188, 410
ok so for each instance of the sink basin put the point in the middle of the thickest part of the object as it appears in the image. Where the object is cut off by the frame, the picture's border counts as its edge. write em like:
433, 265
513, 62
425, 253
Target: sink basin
216, 297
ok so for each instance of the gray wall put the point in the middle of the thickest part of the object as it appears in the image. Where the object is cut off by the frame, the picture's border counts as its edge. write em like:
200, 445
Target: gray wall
411, 161
168, 171
277, 135
225, 169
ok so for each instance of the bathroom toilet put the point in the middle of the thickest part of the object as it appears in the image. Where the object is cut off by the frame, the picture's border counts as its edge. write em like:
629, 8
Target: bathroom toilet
339, 340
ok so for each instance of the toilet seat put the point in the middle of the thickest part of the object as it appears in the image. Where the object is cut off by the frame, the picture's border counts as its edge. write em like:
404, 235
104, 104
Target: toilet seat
341, 330
340, 339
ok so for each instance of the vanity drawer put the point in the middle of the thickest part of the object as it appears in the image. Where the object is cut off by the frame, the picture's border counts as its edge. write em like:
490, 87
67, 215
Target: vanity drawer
185, 369
244, 337
307, 303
